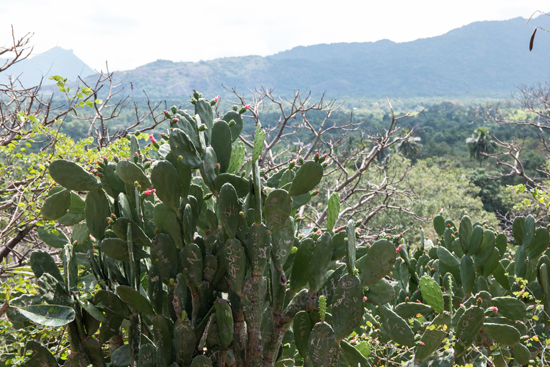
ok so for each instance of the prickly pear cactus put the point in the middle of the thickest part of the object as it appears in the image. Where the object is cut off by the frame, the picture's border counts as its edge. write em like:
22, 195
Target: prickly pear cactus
204, 258
201, 260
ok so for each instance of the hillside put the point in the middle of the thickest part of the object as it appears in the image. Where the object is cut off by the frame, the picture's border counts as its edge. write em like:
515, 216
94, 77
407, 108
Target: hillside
480, 59
56, 61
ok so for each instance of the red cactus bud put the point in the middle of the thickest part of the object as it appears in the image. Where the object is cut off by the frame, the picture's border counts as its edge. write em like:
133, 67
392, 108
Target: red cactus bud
175, 119
398, 250
317, 155
422, 344
316, 192
246, 107
148, 192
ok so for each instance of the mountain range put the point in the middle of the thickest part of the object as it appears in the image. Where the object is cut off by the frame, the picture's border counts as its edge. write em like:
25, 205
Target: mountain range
481, 59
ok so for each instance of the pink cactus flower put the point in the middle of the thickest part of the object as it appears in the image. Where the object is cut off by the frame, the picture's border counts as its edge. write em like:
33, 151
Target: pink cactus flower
247, 107
217, 98
494, 309
152, 139
148, 192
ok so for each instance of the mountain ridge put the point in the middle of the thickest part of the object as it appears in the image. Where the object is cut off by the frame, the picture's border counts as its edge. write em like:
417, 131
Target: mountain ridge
487, 58
481, 59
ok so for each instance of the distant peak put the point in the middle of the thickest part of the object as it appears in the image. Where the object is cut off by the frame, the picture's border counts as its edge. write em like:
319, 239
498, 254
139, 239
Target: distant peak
61, 49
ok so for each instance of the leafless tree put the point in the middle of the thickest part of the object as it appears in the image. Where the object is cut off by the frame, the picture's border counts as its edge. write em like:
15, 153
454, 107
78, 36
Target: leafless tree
22, 106
534, 102
18, 51
365, 187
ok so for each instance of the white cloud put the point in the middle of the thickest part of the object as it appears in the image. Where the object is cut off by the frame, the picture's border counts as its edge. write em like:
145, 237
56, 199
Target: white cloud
131, 33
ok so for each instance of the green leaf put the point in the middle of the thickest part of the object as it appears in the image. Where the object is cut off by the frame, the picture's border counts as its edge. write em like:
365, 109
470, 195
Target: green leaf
47, 315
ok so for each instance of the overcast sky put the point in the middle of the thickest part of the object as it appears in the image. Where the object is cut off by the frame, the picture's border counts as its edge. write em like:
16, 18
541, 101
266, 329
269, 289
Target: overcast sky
128, 34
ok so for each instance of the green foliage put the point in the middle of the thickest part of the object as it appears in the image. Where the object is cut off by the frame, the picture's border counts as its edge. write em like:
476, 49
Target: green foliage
480, 142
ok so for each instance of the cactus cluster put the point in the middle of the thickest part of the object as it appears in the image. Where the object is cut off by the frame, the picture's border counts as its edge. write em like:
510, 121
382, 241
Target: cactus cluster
202, 260
484, 297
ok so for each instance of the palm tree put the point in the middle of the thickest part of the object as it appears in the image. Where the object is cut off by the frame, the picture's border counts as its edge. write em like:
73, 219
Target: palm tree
409, 146
480, 142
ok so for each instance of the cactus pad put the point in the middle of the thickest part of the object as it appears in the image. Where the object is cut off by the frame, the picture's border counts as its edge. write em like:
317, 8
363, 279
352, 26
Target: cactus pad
510, 307
502, 334
56, 205
168, 186
380, 292
378, 262
228, 209
299, 277
307, 178
431, 292
539, 244
277, 209
322, 255
184, 149
129, 172
322, 347
71, 176
347, 306
469, 325
396, 327
258, 248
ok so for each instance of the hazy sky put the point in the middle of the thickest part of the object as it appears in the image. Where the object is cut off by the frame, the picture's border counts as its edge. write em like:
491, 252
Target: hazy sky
128, 34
